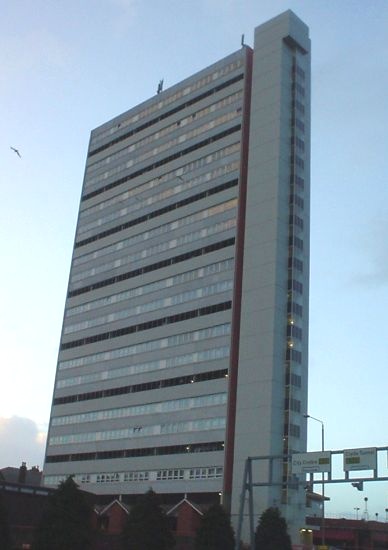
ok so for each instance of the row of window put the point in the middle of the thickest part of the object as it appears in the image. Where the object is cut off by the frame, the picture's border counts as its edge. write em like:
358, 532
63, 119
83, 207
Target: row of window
208, 447
160, 133
295, 263
189, 237
149, 215
181, 278
155, 323
183, 173
204, 424
167, 100
140, 203
212, 472
212, 354
162, 162
163, 116
165, 246
170, 145
218, 245
172, 405
150, 345
154, 305
146, 386
144, 236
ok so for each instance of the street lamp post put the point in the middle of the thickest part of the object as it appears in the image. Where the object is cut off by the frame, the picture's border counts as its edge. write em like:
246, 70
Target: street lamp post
323, 475
366, 513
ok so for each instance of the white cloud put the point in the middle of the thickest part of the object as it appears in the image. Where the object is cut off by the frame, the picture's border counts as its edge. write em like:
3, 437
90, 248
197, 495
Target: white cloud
21, 440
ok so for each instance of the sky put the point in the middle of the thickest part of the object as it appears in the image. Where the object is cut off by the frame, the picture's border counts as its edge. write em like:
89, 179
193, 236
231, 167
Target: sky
69, 66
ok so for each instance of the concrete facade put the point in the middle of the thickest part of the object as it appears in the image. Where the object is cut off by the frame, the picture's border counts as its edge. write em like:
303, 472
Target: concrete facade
184, 341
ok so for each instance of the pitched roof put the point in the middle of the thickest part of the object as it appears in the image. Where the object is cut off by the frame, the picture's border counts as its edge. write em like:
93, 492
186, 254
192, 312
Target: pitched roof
100, 510
183, 501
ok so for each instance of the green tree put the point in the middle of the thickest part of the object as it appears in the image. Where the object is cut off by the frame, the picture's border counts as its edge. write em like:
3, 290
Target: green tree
215, 531
147, 527
5, 540
65, 524
271, 532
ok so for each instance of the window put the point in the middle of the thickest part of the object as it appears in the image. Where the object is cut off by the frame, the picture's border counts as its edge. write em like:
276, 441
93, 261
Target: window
296, 220
299, 89
296, 241
299, 182
205, 473
297, 142
294, 355
299, 124
292, 404
297, 200
295, 308
298, 106
295, 286
296, 159
294, 430
163, 475
295, 263
294, 332
299, 71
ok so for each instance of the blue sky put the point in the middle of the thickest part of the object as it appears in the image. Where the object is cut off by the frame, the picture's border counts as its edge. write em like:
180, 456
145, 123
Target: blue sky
67, 67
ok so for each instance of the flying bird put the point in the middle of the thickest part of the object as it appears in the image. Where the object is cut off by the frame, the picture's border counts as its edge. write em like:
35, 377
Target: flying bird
16, 151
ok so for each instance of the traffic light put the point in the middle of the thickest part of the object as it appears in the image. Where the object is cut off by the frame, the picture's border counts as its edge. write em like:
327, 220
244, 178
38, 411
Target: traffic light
359, 485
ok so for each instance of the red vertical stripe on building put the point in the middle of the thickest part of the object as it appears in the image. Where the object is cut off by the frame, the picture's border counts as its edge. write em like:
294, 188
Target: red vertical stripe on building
237, 291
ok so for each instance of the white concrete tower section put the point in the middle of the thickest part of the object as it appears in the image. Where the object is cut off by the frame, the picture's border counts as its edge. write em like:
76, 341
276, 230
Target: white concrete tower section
271, 395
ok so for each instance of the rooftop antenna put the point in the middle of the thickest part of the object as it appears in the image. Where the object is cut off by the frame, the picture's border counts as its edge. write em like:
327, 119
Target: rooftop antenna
160, 86
242, 40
